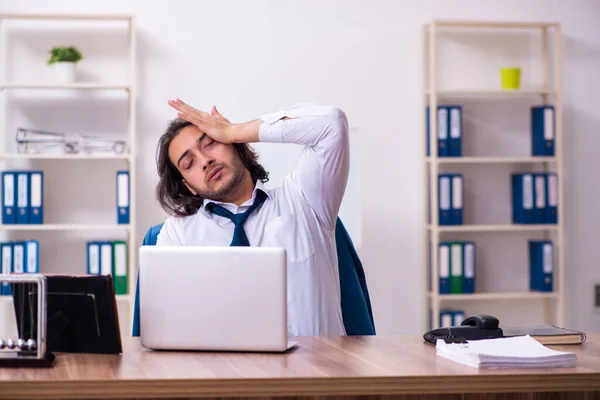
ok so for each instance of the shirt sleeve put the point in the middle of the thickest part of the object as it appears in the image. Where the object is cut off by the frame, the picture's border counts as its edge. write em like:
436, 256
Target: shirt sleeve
323, 169
168, 234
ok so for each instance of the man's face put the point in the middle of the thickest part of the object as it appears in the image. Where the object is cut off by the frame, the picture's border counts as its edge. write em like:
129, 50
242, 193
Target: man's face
210, 169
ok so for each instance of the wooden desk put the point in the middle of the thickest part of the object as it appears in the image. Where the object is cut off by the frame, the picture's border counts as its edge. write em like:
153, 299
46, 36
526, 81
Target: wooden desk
390, 366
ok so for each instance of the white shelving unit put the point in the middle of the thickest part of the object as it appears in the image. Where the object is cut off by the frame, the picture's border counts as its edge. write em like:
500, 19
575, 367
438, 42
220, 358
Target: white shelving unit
548, 93
129, 157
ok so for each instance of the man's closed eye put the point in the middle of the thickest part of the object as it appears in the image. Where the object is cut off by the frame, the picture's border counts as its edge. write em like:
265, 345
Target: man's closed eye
209, 143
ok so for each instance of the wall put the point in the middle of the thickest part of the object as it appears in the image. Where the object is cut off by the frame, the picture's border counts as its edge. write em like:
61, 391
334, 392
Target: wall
253, 57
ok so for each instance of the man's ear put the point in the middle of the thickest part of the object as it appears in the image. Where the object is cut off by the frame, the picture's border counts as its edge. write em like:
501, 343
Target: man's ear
189, 187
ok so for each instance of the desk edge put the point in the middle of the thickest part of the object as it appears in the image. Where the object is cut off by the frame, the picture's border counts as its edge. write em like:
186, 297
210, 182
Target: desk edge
259, 387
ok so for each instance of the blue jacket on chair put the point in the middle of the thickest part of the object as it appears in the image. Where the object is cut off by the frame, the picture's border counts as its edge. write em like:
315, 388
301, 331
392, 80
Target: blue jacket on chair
356, 304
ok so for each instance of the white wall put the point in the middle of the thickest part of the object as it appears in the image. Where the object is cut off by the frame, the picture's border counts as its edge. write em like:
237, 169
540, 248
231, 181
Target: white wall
251, 57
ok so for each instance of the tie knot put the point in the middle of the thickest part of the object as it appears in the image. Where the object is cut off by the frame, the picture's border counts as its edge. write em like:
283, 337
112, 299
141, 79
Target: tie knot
239, 236
239, 218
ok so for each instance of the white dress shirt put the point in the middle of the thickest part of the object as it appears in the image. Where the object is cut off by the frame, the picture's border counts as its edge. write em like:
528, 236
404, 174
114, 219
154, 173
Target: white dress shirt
299, 215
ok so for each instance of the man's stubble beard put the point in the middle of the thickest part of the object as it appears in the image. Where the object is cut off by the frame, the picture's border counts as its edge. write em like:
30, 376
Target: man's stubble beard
228, 189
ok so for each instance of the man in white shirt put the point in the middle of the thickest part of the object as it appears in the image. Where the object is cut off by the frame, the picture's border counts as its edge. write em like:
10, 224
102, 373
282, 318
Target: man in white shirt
209, 174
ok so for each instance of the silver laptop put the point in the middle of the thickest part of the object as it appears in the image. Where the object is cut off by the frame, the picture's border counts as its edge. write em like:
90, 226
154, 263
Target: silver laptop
213, 298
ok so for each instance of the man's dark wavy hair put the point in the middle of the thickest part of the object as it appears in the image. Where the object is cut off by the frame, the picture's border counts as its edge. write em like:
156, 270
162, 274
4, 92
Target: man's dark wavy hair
172, 194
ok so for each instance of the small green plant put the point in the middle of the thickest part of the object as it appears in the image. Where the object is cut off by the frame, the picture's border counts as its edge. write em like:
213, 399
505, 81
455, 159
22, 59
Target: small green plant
70, 54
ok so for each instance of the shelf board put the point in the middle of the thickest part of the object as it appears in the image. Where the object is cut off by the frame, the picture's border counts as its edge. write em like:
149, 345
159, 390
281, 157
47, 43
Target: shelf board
493, 92
491, 160
62, 227
76, 85
496, 296
494, 228
492, 24
60, 156
101, 17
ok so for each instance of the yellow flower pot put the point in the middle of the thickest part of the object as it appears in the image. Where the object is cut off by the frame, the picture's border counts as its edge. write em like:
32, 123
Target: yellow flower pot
510, 78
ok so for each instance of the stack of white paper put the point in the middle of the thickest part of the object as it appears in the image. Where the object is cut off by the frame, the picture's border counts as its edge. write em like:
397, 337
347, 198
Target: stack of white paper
514, 352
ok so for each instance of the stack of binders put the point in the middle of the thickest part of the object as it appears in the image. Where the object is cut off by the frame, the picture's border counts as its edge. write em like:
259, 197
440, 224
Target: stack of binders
109, 258
18, 257
457, 264
449, 127
450, 199
22, 197
535, 198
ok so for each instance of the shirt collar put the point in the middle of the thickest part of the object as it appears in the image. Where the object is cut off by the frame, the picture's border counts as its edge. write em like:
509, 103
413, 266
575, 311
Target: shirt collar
258, 186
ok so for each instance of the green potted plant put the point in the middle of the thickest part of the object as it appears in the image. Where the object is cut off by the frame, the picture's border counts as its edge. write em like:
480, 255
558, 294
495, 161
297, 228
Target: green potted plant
64, 59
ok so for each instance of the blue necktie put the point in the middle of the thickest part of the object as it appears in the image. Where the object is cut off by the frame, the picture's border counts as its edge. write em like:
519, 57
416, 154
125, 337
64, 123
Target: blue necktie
239, 235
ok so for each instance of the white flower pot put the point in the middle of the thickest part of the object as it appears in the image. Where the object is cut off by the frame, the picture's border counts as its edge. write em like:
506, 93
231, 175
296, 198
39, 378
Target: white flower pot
65, 71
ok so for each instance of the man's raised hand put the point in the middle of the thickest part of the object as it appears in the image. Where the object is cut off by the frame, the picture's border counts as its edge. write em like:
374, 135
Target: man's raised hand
213, 124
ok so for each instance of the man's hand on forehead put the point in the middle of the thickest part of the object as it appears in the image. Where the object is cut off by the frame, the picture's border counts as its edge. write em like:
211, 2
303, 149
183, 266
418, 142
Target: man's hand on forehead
213, 124
216, 126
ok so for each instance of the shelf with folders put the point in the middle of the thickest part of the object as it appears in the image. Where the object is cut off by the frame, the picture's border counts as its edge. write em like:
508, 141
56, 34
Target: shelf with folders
106, 257
456, 230
458, 266
102, 257
23, 198
534, 197
76, 127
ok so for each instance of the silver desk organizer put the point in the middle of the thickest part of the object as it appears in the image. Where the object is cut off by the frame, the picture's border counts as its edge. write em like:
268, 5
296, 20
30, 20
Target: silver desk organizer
28, 352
